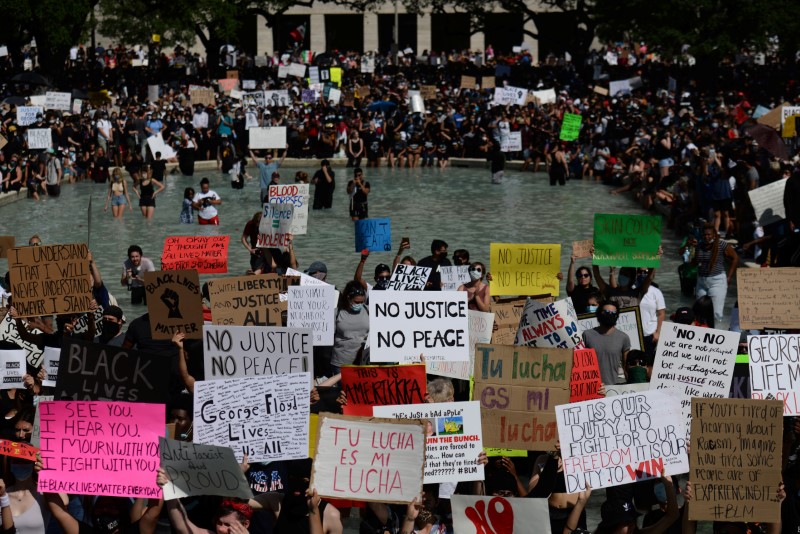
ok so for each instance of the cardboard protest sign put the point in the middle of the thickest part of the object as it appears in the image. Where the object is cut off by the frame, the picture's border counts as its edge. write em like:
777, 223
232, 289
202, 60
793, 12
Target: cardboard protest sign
481, 325
50, 279
204, 97
88, 371
519, 269
629, 321
227, 85
265, 417
428, 92
518, 388
298, 196
374, 235
452, 438
275, 228
248, 300
773, 370
9, 332
409, 278
507, 316
618, 440
404, 324
7, 242
474, 514
52, 356
268, 137
627, 240
100, 448
736, 460
767, 202
382, 385
59, 101
767, 298
549, 325
585, 380
26, 115
582, 249
196, 470
488, 82
368, 459
12, 368
203, 253
14, 449
174, 303
454, 276
570, 127
313, 308
239, 351
468, 82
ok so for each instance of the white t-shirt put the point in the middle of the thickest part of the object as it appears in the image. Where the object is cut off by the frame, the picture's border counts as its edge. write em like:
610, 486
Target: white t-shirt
210, 211
648, 308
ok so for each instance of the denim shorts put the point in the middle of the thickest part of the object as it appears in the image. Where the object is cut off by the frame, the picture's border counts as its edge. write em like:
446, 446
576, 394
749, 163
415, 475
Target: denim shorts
118, 200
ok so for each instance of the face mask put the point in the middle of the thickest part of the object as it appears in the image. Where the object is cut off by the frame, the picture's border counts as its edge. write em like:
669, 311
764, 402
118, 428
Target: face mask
382, 283
22, 471
110, 330
637, 375
591, 308
623, 280
640, 280
607, 319
355, 308
475, 275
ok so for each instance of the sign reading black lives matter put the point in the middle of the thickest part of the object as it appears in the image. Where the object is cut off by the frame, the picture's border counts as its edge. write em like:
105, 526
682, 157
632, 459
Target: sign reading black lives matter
174, 303
50, 280
87, 371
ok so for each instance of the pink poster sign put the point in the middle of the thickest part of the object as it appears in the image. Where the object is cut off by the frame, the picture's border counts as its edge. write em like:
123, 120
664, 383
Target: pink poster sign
100, 448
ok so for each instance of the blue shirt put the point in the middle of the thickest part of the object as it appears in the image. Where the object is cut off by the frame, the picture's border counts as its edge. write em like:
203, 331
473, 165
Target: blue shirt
265, 171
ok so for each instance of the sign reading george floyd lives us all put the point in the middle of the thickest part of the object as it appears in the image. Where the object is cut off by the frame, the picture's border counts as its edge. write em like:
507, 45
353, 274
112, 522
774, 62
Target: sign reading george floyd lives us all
265, 417
239, 351
629, 240
405, 324
619, 440
50, 280
87, 371
174, 303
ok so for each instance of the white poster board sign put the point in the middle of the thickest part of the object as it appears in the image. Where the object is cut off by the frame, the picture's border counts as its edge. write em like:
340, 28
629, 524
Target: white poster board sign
268, 137
773, 370
157, 144
26, 115
12, 368
767, 202
499, 515
52, 355
409, 278
39, 138
265, 417
481, 325
313, 308
453, 437
619, 440
298, 195
454, 276
275, 226
351, 447
59, 101
405, 324
8, 332
196, 470
554, 324
239, 351
297, 69
512, 143
545, 96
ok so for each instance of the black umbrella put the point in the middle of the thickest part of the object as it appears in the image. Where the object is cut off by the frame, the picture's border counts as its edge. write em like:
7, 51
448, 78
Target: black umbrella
30, 78
769, 139
15, 100
81, 94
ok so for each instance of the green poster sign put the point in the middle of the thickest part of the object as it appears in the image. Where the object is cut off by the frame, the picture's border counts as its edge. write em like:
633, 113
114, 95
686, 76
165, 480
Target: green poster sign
570, 127
627, 240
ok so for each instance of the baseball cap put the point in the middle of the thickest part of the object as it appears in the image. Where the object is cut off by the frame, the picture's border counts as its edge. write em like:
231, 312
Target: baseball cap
615, 512
683, 316
318, 270
382, 268
114, 311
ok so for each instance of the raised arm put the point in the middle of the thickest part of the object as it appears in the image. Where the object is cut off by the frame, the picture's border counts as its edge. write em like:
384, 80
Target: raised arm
359, 276
183, 368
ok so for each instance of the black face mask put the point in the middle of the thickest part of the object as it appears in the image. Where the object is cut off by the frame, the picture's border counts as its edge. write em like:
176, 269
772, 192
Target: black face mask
607, 319
110, 331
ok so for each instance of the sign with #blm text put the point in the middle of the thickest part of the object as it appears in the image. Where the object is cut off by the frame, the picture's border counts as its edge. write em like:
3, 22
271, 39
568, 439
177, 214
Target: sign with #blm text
205, 254
100, 448
736, 460
519, 269
627, 240
405, 324
197, 470
619, 440
50, 279
298, 196
453, 438
518, 388
248, 300
549, 325
174, 303
409, 278
88, 371
240, 351
275, 228
265, 417
474, 514
366, 386
374, 235
369, 459
774, 370
313, 308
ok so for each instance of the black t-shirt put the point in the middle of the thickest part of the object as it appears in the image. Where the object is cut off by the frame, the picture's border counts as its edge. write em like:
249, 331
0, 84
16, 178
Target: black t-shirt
159, 169
435, 279
580, 297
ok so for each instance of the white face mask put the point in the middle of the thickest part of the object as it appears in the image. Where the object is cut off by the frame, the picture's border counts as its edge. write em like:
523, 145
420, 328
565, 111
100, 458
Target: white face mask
475, 274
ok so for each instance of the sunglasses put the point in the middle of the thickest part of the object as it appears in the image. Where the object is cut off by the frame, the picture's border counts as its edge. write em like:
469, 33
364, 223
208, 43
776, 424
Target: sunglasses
476, 270
608, 312
583, 275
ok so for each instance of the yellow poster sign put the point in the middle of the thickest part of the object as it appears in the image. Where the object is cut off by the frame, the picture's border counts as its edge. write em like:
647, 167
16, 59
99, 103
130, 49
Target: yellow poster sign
520, 269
